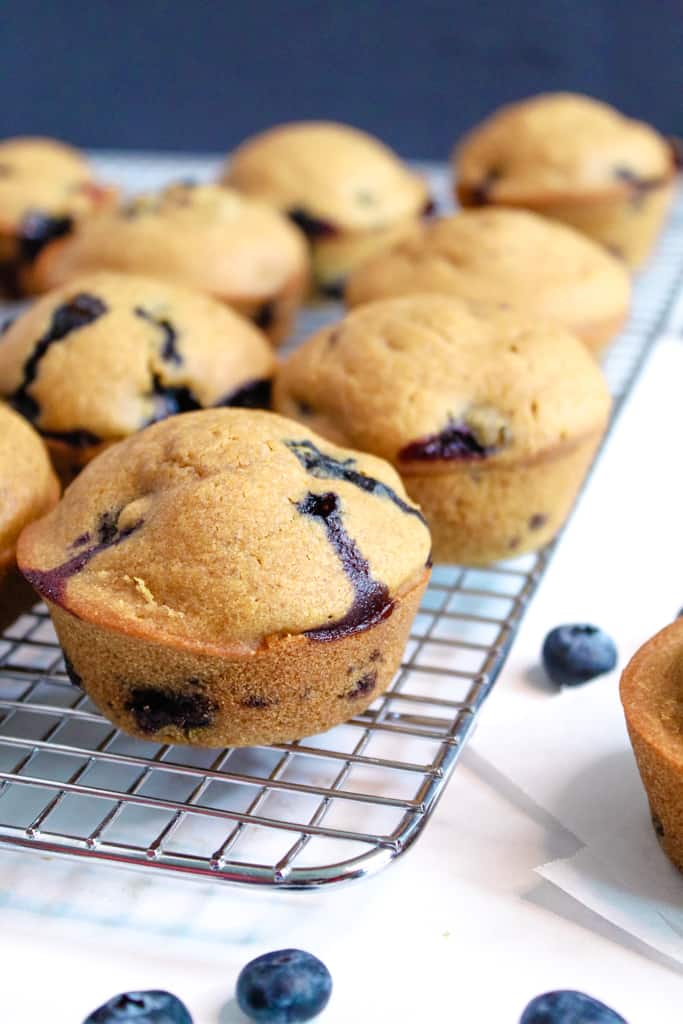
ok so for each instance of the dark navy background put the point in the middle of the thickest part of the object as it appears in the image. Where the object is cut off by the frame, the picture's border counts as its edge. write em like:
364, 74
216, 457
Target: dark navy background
203, 74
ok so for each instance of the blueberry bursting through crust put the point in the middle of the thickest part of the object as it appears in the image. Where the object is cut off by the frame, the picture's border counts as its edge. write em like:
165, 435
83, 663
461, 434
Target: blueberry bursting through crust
371, 602
312, 227
168, 400
80, 311
326, 467
155, 709
36, 230
456, 441
372, 598
169, 349
50, 583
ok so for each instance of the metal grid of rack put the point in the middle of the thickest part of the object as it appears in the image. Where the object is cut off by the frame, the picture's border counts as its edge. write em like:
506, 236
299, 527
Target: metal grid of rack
323, 810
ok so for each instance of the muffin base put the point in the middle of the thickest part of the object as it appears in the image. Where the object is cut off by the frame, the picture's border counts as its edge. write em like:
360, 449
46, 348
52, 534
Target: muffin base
480, 513
658, 751
627, 225
290, 687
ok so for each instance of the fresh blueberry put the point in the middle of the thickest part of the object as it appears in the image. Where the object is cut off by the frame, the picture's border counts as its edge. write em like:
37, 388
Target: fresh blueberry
282, 987
154, 1007
573, 654
567, 1007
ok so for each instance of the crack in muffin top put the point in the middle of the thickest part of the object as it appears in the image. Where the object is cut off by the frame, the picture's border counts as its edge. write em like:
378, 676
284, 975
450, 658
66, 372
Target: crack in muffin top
558, 144
330, 176
128, 350
461, 380
540, 267
213, 542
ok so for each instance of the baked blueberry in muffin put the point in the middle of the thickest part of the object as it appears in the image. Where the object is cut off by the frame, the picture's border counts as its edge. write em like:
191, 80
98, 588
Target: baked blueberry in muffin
513, 257
346, 191
574, 159
108, 354
213, 239
491, 418
45, 188
28, 489
228, 577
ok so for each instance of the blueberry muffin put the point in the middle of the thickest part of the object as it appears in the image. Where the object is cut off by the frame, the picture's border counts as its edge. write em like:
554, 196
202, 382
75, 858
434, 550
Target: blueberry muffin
107, 354
577, 160
204, 236
28, 489
348, 192
228, 578
513, 257
45, 187
491, 418
652, 696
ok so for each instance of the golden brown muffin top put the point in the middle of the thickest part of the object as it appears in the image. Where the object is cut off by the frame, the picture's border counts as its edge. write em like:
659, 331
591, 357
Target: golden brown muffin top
538, 266
431, 382
556, 145
204, 236
43, 176
222, 528
652, 691
330, 173
107, 354
28, 487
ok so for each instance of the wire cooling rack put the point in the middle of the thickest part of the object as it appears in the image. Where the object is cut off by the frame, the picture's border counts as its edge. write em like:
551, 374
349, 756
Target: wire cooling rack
323, 810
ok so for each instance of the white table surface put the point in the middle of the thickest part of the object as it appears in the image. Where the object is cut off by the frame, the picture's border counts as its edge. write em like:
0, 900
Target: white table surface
460, 930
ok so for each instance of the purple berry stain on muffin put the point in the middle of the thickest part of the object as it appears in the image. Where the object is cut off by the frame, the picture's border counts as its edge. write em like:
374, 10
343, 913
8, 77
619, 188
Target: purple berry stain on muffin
639, 187
537, 521
366, 684
169, 348
265, 315
170, 401
480, 194
371, 603
51, 583
36, 230
255, 394
156, 708
326, 467
312, 227
480, 433
80, 311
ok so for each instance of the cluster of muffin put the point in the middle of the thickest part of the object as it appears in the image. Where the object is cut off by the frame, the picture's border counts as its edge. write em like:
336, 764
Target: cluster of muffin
235, 575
